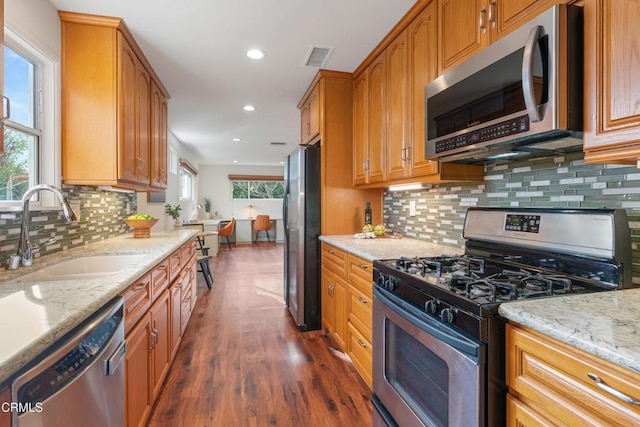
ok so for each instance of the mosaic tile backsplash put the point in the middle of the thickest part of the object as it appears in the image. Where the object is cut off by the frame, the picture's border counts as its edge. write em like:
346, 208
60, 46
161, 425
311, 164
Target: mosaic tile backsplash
565, 181
100, 214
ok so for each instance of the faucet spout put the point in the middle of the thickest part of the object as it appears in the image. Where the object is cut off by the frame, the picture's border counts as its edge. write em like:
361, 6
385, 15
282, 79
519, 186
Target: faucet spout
25, 248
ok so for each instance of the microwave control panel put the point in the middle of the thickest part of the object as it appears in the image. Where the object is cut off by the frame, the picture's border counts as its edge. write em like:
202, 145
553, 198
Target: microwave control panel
498, 130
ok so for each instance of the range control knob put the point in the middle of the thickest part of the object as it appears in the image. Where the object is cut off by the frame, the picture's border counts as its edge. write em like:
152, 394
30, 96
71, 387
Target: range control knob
382, 278
390, 284
432, 306
447, 316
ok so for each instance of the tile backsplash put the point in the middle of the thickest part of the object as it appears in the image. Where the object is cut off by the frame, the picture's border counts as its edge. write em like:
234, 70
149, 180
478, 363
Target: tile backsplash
565, 181
100, 214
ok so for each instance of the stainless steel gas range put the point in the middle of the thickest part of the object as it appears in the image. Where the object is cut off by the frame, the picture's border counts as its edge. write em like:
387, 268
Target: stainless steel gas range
438, 356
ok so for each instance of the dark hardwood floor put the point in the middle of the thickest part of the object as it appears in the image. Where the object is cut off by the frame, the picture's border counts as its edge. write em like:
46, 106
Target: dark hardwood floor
242, 362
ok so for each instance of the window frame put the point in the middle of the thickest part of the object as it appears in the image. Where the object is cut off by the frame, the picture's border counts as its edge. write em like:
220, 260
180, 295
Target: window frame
48, 78
182, 171
248, 183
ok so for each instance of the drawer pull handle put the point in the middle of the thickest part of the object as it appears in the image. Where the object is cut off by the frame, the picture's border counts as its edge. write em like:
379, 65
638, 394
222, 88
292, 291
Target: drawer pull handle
139, 287
607, 388
363, 265
331, 251
362, 300
361, 344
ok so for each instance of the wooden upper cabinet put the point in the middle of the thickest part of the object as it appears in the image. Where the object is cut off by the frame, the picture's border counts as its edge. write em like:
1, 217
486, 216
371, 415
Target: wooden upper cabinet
468, 26
377, 85
423, 68
107, 132
158, 137
460, 33
398, 131
370, 123
360, 128
612, 87
310, 117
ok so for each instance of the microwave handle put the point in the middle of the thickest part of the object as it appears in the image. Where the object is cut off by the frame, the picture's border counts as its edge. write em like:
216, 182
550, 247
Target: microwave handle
527, 74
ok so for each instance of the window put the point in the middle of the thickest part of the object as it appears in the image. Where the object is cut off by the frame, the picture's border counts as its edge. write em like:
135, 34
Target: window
257, 189
186, 184
22, 134
173, 160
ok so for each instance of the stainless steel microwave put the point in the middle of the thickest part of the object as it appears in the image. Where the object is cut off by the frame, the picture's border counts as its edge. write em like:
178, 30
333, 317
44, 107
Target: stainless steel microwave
520, 96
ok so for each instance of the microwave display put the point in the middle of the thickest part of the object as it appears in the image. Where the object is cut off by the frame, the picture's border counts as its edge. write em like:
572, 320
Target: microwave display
492, 93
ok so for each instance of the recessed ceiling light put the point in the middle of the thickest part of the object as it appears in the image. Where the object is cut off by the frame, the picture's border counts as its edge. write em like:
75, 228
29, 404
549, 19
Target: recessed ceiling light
235, 161
282, 163
256, 54
237, 139
248, 108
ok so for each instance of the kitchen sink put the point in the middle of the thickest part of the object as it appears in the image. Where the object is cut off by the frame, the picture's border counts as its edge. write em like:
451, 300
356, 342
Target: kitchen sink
87, 267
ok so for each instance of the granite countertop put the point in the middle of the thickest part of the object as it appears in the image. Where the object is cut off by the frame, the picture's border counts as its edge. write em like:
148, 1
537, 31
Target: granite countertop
33, 315
388, 247
605, 324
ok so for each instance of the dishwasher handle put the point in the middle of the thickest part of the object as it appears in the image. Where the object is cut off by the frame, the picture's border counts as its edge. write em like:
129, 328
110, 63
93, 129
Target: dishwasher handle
116, 358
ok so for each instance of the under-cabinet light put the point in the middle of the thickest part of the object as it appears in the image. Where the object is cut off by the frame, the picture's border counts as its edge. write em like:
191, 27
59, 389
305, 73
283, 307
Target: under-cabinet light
405, 187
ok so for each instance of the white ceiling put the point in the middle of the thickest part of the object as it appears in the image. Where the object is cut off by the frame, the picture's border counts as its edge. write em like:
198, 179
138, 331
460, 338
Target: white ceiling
197, 48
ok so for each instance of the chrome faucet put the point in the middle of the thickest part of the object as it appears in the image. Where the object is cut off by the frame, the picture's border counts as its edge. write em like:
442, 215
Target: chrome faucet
25, 248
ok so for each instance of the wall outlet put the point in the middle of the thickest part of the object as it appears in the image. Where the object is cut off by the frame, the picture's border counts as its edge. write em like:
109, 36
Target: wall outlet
412, 208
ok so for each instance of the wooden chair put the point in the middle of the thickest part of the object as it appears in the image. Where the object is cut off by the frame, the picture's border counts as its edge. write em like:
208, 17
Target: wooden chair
262, 223
227, 230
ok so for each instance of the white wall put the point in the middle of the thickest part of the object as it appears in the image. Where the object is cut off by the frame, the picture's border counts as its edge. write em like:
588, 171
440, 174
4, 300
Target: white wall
157, 209
214, 183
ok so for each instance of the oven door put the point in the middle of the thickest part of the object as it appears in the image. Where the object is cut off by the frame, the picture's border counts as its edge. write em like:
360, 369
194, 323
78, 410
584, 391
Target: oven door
424, 371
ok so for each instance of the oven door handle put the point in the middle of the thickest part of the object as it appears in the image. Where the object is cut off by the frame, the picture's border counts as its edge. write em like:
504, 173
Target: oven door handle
433, 327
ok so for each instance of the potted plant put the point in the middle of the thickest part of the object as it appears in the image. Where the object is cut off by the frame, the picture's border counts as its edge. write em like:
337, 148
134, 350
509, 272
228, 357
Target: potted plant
206, 202
173, 212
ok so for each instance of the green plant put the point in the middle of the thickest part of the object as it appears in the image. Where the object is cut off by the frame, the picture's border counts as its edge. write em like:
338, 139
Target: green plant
207, 204
173, 211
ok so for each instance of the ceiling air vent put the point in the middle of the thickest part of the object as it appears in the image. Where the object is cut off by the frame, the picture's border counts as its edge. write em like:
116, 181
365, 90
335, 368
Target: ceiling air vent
278, 143
317, 56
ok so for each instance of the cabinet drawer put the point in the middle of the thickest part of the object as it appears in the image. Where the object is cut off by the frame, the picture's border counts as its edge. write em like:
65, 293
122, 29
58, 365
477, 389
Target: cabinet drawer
361, 274
334, 259
159, 279
361, 314
361, 353
552, 378
137, 300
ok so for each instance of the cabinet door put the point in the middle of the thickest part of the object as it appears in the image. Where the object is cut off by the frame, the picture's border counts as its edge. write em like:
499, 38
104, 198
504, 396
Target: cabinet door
327, 302
612, 87
397, 108
505, 16
161, 342
341, 300
314, 113
360, 128
158, 138
127, 94
143, 120
423, 64
462, 31
176, 317
138, 373
519, 414
304, 123
377, 119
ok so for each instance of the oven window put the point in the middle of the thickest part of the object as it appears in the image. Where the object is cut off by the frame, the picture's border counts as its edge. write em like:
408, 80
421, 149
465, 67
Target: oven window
419, 376
491, 93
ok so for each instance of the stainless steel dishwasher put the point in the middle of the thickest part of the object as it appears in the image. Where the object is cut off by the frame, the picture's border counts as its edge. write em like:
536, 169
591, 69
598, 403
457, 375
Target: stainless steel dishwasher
80, 379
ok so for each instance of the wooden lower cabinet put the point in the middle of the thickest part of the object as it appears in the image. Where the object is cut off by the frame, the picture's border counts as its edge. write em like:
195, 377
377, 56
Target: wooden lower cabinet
550, 384
137, 373
154, 337
161, 345
347, 312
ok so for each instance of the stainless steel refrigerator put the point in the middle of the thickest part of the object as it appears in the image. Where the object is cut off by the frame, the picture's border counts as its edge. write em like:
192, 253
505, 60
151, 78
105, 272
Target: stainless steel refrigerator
301, 214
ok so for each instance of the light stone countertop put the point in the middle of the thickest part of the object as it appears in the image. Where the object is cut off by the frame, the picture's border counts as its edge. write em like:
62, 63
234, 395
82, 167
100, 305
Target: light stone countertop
34, 315
605, 324
388, 247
